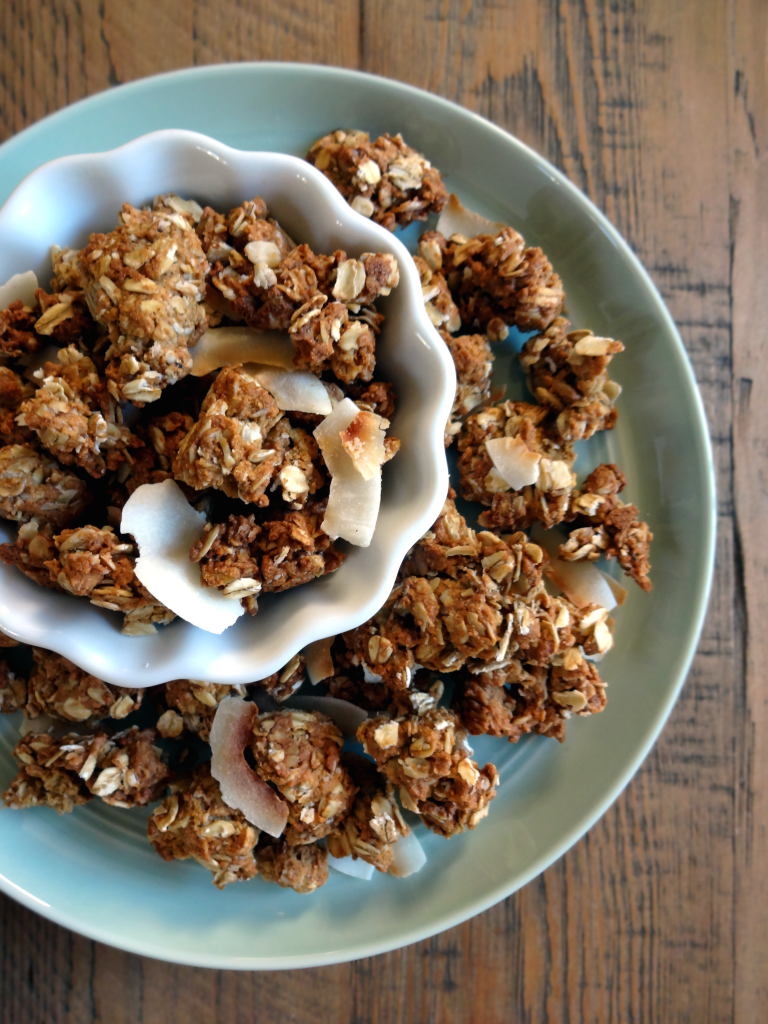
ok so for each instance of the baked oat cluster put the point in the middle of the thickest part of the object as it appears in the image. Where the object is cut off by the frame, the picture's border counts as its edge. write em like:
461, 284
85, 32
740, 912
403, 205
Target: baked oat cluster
490, 630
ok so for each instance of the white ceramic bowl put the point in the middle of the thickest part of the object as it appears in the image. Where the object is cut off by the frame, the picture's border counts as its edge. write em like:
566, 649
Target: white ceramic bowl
62, 203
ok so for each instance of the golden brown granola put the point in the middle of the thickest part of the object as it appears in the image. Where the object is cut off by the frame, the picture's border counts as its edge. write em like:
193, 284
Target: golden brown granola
34, 486
567, 371
299, 752
227, 448
301, 868
548, 499
610, 527
76, 417
197, 701
385, 179
145, 282
195, 822
375, 822
60, 689
426, 756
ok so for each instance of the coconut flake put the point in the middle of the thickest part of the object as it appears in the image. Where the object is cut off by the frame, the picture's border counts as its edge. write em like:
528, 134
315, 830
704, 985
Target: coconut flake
165, 526
363, 441
292, 390
408, 856
346, 716
581, 582
241, 788
458, 220
319, 660
229, 346
20, 286
353, 502
354, 868
515, 463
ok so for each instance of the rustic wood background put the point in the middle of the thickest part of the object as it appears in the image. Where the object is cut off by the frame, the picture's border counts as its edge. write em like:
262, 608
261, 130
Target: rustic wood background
658, 109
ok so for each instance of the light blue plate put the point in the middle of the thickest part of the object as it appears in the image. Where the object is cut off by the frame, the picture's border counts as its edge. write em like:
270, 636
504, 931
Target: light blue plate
93, 871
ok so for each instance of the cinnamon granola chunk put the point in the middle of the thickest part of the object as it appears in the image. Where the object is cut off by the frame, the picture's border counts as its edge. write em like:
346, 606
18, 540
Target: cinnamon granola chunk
195, 822
496, 278
473, 359
427, 757
301, 868
326, 337
227, 448
385, 179
243, 558
607, 526
299, 752
60, 689
93, 562
17, 330
33, 486
13, 391
285, 682
64, 317
49, 773
76, 417
567, 371
129, 770
548, 499
145, 282
197, 701
375, 822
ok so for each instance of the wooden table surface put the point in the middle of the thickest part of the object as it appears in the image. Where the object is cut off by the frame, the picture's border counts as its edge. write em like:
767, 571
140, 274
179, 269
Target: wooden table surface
658, 110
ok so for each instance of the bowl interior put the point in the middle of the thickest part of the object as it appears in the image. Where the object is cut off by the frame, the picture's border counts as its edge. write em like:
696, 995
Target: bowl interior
63, 203
93, 871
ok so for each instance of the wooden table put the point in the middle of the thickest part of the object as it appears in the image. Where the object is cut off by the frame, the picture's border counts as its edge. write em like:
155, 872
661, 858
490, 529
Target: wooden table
659, 112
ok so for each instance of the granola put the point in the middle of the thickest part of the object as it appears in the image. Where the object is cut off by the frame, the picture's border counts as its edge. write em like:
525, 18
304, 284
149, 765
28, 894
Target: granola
301, 868
610, 528
428, 759
60, 689
473, 359
145, 282
195, 822
300, 753
76, 417
197, 701
385, 179
548, 499
567, 371
34, 486
375, 822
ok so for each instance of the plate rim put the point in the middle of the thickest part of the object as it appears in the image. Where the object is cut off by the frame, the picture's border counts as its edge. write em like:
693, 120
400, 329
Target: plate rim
704, 574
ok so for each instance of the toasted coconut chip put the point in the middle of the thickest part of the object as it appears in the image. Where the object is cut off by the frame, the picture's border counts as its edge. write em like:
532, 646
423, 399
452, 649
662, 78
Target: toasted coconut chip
363, 441
319, 661
353, 502
354, 868
230, 346
458, 220
348, 717
581, 582
240, 786
20, 286
518, 466
292, 390
165, 527
408, 856
46, 354
616, 588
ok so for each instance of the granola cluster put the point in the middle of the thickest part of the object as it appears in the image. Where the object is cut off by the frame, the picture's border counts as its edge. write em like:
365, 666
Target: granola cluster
300, 752
385, 179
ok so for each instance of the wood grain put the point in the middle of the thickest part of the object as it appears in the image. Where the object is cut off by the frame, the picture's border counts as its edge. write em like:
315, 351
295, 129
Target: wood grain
659, 111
